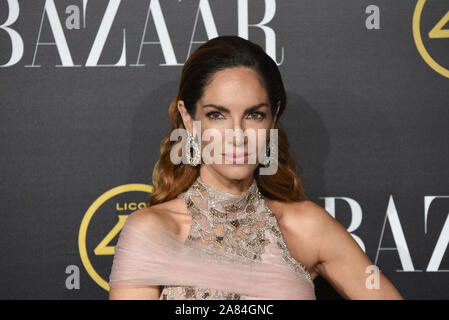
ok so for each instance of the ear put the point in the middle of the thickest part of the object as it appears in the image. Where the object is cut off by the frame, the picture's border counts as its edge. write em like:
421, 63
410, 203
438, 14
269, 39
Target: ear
186, 118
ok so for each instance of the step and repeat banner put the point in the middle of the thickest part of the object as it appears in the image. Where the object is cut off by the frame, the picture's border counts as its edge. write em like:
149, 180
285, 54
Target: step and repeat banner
84, 93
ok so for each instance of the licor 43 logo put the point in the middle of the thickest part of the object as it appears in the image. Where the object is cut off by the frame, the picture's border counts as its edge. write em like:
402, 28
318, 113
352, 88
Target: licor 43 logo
436, 33
102, 223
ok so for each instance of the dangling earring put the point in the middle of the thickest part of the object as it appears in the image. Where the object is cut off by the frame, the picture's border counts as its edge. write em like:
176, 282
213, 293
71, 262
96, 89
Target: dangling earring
272, 151
192, 143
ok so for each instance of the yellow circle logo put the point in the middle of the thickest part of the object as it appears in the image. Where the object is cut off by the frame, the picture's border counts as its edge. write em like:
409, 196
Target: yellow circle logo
103, 247
437, 32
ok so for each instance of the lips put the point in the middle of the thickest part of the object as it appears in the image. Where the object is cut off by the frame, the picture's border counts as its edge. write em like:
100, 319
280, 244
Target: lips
233, 157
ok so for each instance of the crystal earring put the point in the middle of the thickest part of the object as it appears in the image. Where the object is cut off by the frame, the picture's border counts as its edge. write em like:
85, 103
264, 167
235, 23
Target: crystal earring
192, 143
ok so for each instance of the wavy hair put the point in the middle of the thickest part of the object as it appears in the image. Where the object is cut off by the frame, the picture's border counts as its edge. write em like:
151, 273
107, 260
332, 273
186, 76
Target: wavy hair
217, 54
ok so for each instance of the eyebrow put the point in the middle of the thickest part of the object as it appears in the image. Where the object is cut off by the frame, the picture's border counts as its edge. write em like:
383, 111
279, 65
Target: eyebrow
221, 108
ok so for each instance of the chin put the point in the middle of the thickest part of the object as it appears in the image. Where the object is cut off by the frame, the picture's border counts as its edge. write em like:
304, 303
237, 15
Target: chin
236, 171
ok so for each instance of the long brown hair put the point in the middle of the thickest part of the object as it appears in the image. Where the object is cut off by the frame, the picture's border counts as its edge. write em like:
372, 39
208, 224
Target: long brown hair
219, 53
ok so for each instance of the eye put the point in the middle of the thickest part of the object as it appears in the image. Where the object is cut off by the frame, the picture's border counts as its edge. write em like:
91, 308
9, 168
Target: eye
214, 115
257, 115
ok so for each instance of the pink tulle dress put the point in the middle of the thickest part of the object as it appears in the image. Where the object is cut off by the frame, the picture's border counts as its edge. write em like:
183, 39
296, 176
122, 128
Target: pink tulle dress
234, 251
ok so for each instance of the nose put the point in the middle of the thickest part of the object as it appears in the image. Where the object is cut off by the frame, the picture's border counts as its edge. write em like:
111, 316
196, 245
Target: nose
239, 137
237, 133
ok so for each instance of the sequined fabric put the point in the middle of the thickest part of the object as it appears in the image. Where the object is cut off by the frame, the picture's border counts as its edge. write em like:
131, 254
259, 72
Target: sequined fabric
235, 228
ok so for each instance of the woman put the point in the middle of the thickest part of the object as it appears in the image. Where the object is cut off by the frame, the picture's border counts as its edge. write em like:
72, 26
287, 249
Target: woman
262, 224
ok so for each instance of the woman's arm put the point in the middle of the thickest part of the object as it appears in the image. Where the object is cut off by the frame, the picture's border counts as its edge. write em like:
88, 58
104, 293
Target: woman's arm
341, 260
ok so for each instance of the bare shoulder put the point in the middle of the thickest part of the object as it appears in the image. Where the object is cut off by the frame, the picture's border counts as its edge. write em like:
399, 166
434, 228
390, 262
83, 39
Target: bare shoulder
169, 216
313, 221
306, 215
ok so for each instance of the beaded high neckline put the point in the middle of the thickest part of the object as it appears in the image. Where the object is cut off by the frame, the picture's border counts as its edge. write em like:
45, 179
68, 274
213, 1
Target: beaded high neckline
220, 206
234, 227
233, 224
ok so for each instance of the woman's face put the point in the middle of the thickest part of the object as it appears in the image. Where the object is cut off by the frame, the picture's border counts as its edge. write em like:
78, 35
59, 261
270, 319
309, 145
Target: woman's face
235, 100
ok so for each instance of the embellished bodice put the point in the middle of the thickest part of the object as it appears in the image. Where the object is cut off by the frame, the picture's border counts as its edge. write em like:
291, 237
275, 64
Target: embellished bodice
233, 228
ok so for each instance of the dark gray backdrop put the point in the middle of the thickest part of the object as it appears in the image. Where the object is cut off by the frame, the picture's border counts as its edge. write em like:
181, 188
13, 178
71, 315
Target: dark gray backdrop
367, 118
